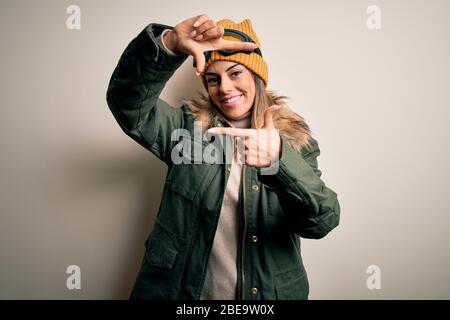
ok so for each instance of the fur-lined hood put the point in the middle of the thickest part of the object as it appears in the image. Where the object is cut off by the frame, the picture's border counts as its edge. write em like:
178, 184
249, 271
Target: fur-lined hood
291, 126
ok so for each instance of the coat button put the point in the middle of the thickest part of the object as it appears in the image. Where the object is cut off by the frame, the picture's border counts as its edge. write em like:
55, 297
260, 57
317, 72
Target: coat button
255, 188
254, 290
254, 238
229, 167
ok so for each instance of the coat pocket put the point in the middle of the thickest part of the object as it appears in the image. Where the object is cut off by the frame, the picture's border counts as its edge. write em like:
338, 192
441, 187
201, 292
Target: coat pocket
159, 249
187, 179
292, 285
158, 276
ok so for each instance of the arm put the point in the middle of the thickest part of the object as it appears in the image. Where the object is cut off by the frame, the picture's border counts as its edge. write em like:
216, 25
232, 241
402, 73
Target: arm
134, 89
145, 67
313, 209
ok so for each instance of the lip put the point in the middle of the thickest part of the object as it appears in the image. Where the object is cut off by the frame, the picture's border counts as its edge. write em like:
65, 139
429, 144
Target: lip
230, 104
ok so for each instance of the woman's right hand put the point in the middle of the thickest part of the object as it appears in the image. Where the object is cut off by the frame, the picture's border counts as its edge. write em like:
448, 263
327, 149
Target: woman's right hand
199, 34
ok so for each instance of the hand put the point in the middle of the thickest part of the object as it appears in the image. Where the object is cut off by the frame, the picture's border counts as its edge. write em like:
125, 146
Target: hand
199, 34
262, 146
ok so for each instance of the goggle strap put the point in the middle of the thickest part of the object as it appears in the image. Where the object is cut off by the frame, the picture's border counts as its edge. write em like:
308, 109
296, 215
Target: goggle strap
236, 34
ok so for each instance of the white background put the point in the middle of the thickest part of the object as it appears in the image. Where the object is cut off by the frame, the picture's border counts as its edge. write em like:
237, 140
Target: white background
75, 190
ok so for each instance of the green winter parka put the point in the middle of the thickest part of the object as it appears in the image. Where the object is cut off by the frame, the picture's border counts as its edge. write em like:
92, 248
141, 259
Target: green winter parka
276, 210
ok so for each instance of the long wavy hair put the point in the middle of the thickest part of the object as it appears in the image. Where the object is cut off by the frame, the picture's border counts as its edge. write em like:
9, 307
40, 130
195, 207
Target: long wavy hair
290, 125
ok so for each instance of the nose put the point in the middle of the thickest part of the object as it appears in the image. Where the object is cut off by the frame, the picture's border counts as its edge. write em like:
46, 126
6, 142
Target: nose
225, 85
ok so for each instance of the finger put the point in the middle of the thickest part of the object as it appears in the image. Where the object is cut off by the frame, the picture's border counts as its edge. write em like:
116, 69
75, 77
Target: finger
213, 33
199, 37
206, 26
241, 153
247, 141
200, 19
251, 156
200, 62
254, 142
247, 156
198, 33
241, 158
235, 132
253, 162
235, 45
268, 117
239, 147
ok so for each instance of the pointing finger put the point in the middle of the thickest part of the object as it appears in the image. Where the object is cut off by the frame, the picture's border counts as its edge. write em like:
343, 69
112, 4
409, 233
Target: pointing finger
235, 132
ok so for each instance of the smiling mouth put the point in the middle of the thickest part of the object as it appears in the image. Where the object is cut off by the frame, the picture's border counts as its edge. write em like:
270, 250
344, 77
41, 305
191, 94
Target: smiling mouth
232, 101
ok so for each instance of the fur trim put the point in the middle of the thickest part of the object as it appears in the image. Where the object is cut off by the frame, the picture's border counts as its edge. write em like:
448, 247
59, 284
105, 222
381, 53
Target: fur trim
291, 125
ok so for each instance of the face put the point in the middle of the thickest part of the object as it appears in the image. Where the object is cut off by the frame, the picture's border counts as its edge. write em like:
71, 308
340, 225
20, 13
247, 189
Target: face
231, 87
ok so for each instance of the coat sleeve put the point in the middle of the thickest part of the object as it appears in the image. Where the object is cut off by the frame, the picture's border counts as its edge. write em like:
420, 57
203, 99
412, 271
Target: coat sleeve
313, 209
134, 89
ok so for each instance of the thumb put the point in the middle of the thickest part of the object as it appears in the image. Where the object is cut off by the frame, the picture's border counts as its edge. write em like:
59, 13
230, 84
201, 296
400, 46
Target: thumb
200, 61
268, 116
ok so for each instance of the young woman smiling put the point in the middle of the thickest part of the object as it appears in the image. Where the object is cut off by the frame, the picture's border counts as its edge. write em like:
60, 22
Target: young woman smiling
224, 230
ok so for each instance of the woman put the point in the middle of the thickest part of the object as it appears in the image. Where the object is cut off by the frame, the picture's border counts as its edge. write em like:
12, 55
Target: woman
225, 229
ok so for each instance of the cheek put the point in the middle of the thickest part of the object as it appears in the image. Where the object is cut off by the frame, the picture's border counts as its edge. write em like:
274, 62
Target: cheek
250, 87
213, 94
251, 95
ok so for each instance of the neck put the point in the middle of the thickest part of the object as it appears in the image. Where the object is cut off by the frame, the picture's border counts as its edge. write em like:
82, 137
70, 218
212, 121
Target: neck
242, 122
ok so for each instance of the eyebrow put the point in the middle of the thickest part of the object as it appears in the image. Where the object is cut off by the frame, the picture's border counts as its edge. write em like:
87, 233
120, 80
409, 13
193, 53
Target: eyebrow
215, 74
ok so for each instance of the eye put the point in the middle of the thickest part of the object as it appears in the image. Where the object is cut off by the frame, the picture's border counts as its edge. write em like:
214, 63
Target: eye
211, 81
236, 74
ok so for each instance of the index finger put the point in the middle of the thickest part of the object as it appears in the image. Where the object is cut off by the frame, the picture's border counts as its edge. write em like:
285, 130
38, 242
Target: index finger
235, 45
235, 132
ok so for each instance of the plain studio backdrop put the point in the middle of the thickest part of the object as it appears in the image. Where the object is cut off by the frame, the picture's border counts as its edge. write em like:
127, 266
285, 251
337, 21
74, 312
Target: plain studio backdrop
75, 190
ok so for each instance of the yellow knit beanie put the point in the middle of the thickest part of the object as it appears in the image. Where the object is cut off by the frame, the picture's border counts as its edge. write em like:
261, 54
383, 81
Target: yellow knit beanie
252, 61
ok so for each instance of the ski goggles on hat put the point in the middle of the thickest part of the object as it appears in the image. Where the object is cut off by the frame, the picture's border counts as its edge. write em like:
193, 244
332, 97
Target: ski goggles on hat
235, 34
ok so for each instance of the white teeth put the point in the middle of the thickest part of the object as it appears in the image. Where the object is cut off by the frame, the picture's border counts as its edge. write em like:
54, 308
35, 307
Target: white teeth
231, 100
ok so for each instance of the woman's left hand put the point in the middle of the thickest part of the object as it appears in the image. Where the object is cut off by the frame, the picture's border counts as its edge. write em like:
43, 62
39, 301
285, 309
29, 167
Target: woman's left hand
261, 147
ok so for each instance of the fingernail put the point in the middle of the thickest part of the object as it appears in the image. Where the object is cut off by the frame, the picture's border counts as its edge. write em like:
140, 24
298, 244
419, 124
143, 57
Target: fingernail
200, 36
196, 24
197, 73
193, 33
211, 131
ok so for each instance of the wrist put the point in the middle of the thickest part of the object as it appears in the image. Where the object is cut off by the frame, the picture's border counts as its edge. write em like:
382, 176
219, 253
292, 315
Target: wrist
169, 41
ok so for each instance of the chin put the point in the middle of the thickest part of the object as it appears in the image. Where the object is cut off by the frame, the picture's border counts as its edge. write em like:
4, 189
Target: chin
235, 116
